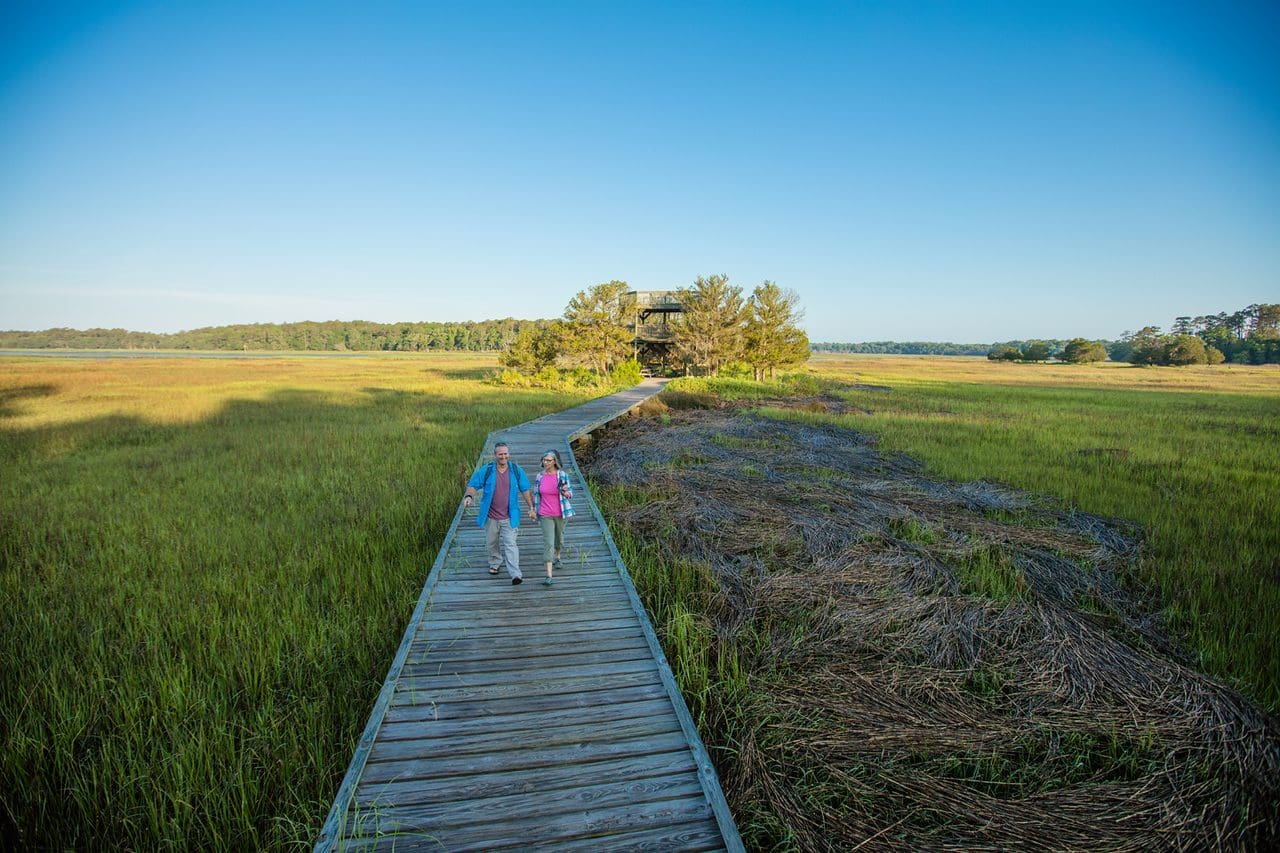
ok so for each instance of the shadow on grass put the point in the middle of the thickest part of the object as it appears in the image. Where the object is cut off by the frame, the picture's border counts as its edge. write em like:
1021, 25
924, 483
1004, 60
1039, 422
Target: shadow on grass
472, 373
10, 396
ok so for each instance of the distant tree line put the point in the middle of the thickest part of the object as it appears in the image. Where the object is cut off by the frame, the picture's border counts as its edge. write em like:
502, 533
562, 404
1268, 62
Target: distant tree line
1039, 350
903, 348
718, 326
1248, 336
333, 336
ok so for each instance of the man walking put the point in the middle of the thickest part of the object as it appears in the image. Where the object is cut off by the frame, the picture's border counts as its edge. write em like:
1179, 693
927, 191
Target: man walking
499, 484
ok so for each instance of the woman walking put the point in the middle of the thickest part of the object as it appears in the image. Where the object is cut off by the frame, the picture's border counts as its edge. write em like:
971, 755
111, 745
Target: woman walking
553, 492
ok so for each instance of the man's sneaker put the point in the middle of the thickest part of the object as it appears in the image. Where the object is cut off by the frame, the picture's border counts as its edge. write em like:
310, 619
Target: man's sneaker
517, 581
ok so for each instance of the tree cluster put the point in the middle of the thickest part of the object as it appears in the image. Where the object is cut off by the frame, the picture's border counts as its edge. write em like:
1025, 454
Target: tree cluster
1248, 336
717, 326
333, 336
1076, 351
1149, 346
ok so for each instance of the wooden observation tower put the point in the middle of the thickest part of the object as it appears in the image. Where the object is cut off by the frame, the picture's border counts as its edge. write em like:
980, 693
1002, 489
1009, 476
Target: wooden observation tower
653, 340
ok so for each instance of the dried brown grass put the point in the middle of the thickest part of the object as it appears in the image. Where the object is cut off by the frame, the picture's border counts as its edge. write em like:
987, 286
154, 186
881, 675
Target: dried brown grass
932, 664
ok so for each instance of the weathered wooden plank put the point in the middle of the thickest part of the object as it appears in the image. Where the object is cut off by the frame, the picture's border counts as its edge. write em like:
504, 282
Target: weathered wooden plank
504, 663
529, 780
468, 643
531, 555
522, 626
537, 605
581, 588
446, 683
568, 591
548, 611
574, 697
534, 756
528, 618
473, 567
534, 651
551, 646
406, 694
471, 818
588, 543
477, 629
451, 756
436, 635
479, 580
475, 570
551, 602
571, 580
513, 731
695, 837
533, 829
518, 717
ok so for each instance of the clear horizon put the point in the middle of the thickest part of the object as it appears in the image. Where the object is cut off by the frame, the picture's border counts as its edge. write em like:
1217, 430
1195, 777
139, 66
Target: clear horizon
936, 172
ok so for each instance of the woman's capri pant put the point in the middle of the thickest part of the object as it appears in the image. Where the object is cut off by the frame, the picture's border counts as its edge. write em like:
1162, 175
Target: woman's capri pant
552, 535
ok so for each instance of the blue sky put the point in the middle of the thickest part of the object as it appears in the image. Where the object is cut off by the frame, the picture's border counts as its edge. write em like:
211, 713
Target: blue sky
959, 171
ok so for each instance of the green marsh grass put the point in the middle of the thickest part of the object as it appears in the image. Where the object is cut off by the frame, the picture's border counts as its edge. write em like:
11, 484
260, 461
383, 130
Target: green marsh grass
1192, 454
205, 569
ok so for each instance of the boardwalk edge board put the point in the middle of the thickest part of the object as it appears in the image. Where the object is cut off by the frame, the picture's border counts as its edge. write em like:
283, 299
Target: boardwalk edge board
339, 817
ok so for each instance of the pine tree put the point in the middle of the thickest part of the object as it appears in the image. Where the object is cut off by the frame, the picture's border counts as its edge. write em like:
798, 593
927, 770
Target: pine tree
709, 329
596, 326
773, 337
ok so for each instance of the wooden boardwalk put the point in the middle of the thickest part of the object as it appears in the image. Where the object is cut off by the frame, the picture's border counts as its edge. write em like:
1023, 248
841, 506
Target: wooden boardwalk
527, 716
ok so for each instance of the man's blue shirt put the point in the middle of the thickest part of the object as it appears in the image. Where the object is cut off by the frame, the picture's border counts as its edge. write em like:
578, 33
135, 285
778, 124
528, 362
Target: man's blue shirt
484, 480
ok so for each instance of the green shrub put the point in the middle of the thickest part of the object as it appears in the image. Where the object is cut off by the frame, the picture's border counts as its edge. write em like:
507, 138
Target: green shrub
547, 377
626, 374
511, 378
